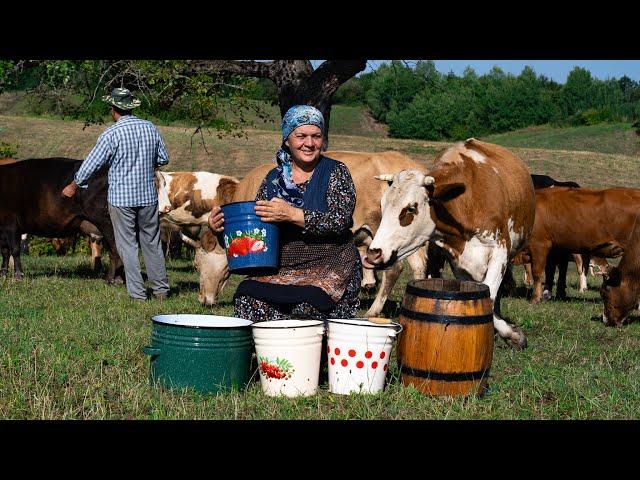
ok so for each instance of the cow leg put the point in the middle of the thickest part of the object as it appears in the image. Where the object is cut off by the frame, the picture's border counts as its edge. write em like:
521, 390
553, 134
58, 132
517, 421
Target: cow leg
14, 248
96, 254
368, 274
498, 264
6, 254
549, 275
488, 265
418, 263
539, 255
436, 259
563, 265
389, 278
528, 276
115, 274
582, 263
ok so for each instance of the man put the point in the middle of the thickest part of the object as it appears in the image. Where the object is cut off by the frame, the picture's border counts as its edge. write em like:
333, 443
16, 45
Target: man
133, 149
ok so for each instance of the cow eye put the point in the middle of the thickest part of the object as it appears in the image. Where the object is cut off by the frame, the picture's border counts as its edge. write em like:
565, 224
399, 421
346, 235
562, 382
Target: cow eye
411, 210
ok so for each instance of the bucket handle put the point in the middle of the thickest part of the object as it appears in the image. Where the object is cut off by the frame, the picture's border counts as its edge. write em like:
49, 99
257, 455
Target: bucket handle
320, 331
154, 352
397, 329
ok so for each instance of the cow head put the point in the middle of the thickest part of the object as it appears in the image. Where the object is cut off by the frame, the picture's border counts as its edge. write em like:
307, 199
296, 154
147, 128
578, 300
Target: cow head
211, 262
619, 294
406, 222
164, 204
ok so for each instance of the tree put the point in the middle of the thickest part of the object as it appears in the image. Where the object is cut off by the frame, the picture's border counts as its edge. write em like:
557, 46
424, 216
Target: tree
205, 82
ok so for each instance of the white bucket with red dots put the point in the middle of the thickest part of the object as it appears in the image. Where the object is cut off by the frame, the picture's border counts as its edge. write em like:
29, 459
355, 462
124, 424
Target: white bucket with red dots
358, 353
288, 354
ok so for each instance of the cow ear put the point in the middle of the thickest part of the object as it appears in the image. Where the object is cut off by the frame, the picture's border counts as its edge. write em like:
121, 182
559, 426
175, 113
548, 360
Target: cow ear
446, 192
209, 241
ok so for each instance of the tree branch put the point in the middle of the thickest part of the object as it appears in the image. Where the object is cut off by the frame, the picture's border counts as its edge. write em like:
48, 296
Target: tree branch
250, 68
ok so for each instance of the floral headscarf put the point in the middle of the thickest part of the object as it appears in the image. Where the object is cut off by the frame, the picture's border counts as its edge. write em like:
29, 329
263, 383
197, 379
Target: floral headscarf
295, 117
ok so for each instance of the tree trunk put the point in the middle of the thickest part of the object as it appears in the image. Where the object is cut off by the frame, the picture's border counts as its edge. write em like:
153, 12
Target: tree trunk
296, 81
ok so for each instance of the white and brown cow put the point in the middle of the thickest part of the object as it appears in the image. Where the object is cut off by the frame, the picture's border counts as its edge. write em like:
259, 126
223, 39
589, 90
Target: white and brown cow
477, 203
211, 261
191, 195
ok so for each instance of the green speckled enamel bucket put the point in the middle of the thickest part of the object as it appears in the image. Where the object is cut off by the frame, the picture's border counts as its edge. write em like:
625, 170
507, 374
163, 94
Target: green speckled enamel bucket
208, 353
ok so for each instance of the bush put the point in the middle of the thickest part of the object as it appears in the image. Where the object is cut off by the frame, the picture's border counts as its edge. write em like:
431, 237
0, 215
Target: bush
7, 150
350, 93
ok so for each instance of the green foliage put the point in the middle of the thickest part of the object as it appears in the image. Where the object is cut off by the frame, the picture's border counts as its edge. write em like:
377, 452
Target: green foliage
420, 103
73, 89
8, 150
42, 247
350, 93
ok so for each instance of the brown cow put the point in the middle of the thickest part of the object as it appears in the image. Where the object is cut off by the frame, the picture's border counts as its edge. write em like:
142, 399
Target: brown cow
581, 220
211, 261
558, 259
191, 195
477, 203
620, 289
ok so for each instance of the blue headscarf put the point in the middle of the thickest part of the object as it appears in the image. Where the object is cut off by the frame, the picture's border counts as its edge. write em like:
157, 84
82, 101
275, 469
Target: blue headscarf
295, 117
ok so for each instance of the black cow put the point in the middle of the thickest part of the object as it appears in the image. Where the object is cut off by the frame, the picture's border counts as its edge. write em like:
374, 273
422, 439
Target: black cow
31, 202
545, 181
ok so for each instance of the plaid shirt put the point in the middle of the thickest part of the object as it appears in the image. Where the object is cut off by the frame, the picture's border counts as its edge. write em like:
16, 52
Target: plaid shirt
133, 148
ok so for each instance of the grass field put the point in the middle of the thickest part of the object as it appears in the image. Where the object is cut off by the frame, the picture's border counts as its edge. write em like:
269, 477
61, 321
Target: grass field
71, 346
614, 138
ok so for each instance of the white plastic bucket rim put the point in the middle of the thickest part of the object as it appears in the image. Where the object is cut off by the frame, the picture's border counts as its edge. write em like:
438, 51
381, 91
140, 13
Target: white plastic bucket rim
202, 321
397, 328
289, 324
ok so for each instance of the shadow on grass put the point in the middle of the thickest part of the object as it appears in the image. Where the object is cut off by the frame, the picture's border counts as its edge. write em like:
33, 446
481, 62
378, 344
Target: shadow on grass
631, 319
181, 268
81, 271
391, 308
185, 286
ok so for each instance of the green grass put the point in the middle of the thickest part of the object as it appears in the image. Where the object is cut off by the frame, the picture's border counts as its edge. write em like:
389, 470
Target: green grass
614, 138
71, 348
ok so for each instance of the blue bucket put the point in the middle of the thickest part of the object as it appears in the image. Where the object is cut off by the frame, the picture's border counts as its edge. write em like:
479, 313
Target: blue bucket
250, 243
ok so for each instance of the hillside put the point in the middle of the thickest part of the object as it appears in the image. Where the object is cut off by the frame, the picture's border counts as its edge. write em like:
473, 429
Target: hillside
46, 137
615, 138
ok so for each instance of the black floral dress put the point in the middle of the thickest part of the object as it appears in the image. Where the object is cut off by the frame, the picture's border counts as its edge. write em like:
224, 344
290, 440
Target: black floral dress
337, 270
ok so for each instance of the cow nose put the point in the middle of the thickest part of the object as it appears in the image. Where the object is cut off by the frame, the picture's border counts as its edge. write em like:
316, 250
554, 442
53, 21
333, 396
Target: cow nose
374, 256
165, 209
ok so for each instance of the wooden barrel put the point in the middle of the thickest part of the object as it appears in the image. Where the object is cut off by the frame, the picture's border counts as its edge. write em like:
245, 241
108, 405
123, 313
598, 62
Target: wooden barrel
446, 346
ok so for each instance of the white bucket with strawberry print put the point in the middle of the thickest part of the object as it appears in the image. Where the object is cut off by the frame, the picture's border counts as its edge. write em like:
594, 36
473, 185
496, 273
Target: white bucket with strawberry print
288, 354
358, 352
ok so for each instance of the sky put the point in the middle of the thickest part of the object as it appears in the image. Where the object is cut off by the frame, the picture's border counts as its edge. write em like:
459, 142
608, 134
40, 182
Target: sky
557, 70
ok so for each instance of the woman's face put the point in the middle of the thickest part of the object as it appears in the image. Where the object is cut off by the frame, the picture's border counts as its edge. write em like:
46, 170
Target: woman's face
305, 143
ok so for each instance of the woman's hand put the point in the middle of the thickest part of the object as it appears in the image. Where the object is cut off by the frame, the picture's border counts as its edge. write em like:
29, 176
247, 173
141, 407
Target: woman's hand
216, 219
277, 210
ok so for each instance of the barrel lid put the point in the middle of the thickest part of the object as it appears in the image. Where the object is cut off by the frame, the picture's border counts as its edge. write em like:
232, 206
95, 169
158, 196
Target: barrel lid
448, 289
201, 321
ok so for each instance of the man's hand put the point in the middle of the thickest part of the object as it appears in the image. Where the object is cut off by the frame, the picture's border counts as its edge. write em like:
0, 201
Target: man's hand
277, 210
216, 219
70, 190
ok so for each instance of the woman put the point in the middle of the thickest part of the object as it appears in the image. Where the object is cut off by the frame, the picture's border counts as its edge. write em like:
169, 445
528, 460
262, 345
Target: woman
312, 197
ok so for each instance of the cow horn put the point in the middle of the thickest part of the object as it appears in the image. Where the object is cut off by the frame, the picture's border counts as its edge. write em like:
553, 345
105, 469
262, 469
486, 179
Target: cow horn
385, 177
189, 241
429, 181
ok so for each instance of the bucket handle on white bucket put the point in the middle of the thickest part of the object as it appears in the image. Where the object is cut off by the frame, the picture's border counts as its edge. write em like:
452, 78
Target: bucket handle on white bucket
397, 329
320, 331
